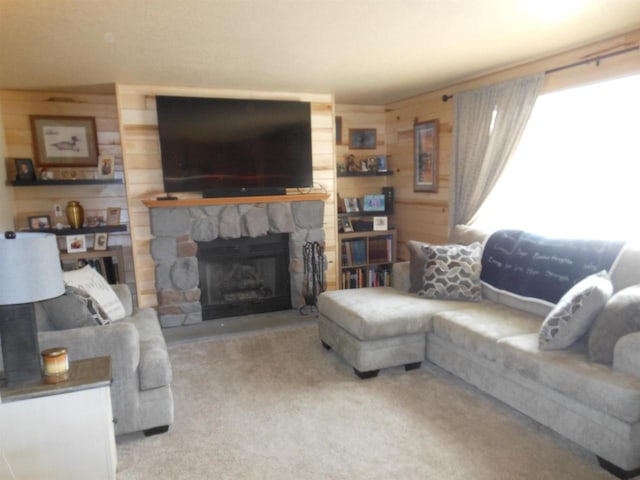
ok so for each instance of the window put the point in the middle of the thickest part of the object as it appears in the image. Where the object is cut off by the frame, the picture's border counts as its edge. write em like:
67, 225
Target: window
576, 172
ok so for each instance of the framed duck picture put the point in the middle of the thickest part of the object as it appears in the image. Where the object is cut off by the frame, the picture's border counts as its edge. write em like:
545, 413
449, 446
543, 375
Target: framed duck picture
60, 141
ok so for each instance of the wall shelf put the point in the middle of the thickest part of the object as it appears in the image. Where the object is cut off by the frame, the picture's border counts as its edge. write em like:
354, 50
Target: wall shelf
82, 231
365, 174
80, 181
365, 214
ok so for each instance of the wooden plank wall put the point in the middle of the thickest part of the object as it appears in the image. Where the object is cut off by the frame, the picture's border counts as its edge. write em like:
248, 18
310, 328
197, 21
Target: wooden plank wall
424, 216
143, 171
361, 116
39, 200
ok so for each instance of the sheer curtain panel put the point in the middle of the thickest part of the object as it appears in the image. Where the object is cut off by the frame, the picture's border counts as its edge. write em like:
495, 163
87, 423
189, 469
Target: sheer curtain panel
488, 124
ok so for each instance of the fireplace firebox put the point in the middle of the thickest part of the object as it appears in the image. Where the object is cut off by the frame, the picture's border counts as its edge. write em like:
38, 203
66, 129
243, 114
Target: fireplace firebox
244, 275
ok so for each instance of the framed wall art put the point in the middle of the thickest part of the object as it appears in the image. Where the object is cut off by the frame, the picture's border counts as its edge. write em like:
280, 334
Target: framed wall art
425, 143
64, 141
362, 138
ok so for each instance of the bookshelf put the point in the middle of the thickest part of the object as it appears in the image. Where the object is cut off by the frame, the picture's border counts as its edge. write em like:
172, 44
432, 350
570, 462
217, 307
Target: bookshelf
101, 260
366, 258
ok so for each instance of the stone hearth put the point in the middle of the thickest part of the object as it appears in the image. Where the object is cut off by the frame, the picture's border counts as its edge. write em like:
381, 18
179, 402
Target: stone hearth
177, 230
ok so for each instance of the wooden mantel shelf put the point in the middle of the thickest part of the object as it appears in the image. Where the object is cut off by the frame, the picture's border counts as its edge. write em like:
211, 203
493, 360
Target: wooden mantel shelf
199, 202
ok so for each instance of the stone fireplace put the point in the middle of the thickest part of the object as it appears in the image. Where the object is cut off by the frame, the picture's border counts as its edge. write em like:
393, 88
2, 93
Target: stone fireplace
244, 275
178, 232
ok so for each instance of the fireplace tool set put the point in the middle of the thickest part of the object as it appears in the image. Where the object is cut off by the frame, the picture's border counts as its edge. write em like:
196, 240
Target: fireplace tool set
314, 279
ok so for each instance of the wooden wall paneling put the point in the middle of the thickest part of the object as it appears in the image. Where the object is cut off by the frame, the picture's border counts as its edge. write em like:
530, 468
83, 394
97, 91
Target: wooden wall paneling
143, 171
16, 107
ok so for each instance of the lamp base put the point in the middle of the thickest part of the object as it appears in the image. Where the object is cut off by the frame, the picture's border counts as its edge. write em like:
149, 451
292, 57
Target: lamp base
20, 348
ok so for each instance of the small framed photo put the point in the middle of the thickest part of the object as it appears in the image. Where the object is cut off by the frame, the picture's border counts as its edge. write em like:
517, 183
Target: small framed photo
380, 223
362, 138
425, 142
100, 241
351, 205
76, 243
61, 141
39, 222
382, 163
373, 203
106, 166
346, 224
24, 169
113, 216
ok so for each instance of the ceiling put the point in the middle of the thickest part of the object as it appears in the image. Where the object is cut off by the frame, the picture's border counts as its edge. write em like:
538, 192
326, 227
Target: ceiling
363, 51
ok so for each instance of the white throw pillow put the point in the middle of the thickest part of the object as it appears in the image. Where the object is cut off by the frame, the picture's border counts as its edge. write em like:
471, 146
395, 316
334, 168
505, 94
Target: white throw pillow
575, 312
94, 284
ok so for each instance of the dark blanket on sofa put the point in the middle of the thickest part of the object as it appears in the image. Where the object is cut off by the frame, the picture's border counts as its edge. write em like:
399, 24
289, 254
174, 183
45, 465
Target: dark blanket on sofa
541, 267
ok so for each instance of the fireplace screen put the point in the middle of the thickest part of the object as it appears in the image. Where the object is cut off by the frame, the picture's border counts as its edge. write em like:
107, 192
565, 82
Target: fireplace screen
244, 275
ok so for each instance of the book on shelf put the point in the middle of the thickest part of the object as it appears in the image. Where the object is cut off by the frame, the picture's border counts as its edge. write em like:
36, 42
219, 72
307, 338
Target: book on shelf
354, 252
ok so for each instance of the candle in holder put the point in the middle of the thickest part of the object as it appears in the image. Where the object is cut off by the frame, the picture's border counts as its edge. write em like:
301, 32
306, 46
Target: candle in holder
56, 364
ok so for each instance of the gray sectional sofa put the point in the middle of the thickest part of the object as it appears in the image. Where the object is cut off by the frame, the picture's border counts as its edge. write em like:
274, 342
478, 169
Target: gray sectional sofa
141, 395
494, 344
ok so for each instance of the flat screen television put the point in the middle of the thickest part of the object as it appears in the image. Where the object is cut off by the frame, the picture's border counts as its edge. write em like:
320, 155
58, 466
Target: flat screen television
234, 147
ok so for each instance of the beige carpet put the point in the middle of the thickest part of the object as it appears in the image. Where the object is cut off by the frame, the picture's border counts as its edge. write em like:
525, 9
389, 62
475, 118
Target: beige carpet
276, 405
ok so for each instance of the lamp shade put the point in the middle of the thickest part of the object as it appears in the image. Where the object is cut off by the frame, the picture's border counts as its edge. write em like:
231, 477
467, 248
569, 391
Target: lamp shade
29, 268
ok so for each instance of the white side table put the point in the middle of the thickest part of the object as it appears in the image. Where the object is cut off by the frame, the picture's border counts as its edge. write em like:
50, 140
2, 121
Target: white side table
60, 431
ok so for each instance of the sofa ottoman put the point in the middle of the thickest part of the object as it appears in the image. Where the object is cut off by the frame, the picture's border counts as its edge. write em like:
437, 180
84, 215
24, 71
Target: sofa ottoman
374, 328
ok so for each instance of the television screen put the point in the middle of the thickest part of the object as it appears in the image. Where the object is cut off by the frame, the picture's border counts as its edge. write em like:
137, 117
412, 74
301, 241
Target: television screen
227, 147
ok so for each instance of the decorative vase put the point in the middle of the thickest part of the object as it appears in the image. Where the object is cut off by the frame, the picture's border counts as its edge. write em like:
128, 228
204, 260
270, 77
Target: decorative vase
75, 214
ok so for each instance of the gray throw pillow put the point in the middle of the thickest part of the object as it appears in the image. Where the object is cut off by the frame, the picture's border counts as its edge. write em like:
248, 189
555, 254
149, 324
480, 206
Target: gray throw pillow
620, 316
575, 312
417, 262
71, 310
452, 272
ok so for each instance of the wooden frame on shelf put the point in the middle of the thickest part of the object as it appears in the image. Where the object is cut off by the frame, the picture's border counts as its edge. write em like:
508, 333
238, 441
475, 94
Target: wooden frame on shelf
76, 243
39, 222
100, 241
106, 167
113, 216
24, 169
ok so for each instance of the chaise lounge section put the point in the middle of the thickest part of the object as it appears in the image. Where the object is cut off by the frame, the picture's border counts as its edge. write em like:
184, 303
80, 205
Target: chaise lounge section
495, 345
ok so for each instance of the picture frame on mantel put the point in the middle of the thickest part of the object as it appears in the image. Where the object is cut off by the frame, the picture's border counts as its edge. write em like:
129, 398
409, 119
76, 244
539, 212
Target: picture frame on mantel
425, 144
60, 141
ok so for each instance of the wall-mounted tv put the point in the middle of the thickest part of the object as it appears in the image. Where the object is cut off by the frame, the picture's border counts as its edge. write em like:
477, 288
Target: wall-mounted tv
234, 147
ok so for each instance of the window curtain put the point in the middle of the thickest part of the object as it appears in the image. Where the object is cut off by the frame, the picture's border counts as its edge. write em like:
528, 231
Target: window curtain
488, 124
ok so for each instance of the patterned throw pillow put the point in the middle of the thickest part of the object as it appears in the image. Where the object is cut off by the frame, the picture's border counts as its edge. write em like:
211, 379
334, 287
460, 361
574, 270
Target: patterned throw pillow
452, 272
95, 286
575, 312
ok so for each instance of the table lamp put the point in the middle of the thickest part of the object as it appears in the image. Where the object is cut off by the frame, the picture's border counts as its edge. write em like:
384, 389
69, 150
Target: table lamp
29, 272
